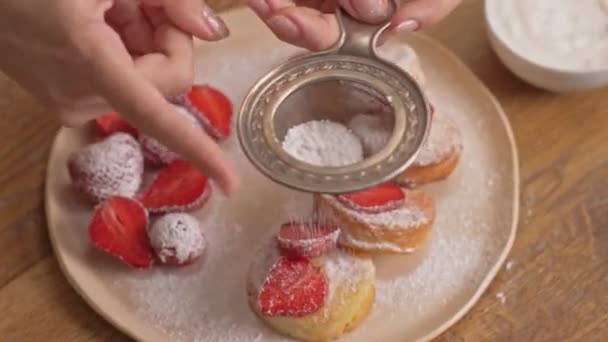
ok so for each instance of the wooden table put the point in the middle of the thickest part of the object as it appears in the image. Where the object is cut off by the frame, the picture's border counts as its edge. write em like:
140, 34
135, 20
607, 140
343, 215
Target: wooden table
556, 289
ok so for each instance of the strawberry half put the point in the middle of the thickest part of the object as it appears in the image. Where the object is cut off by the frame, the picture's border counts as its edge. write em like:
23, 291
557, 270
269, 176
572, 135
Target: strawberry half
306, 239
178, 187
111, 123
294, 287
119, 228
112, 167
384, 197
213, 108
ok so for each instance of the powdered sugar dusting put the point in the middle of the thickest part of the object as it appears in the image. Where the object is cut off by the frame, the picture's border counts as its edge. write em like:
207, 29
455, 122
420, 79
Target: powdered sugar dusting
113, 167
443, 140
350, 240
344, 269
208, 302
323, 143
406, 216
341, 268
177, 236
501, 297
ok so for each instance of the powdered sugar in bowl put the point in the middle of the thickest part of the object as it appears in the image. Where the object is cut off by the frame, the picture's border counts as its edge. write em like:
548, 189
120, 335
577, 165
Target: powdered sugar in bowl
558, 45
334, 86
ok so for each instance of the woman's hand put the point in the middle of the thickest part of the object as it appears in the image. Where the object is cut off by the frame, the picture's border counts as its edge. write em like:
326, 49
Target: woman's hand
86, 57
312, 25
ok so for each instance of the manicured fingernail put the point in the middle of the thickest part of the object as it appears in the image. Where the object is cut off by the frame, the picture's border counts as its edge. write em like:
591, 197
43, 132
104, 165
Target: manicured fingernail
215, 23
260, 7
371, 10
284, 27
408, 26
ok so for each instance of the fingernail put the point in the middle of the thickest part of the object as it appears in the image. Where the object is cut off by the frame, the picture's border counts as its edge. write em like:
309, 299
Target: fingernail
260, 7
371, 10
217, 26
408, 26
284, 27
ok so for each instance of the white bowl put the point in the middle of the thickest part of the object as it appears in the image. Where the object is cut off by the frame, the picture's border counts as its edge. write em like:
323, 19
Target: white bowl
539, 75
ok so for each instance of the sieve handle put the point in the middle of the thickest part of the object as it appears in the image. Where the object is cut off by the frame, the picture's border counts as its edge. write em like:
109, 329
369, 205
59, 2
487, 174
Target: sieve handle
359, 38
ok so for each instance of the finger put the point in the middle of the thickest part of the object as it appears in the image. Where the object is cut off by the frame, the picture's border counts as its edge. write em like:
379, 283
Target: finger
369, 11
147, 109
301, 26
83, 110
127, 19
267, 8
194, 17
325, 6
171, 70
417, 14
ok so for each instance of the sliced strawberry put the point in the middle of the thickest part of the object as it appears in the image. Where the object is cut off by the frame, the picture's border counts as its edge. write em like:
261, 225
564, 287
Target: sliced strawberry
307, 239
111, 123
213, 108
119, 228
178, 187
384, 197
294, 287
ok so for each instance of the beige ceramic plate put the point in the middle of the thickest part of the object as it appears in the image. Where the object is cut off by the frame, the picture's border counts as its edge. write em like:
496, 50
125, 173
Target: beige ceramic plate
475, 228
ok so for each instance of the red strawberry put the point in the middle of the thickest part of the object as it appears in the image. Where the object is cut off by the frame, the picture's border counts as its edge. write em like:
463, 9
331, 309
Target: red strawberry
178, 187
384, 197
307, 239
177, 239
119, 227
158, 154
113, 167
294, 287
111, 123
213, 108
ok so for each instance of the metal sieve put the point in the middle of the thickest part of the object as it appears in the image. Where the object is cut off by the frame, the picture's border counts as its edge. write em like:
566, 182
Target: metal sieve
336, 84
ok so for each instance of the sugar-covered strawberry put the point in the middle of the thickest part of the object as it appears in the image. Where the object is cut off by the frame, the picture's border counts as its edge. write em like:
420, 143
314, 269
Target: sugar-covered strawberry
294, 287
119, 228
111, 123
212, 107
112, 167
155, 152
177, 239
307, 239
178, 187
384, 197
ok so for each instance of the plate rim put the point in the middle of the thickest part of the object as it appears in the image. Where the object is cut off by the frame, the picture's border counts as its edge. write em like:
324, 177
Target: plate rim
481, 289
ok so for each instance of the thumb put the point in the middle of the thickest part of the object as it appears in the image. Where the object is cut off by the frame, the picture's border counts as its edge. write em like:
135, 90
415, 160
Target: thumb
369, 11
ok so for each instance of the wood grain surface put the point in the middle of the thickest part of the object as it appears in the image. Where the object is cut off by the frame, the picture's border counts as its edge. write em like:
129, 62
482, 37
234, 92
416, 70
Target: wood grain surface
555, 290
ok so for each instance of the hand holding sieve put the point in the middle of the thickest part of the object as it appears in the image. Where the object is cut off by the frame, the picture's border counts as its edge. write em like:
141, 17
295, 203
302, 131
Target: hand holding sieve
335, 85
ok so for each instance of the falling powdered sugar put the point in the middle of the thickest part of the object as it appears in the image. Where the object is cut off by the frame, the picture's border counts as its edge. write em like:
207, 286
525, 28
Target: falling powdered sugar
443, 139
323, 143
373, 130
342, 269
